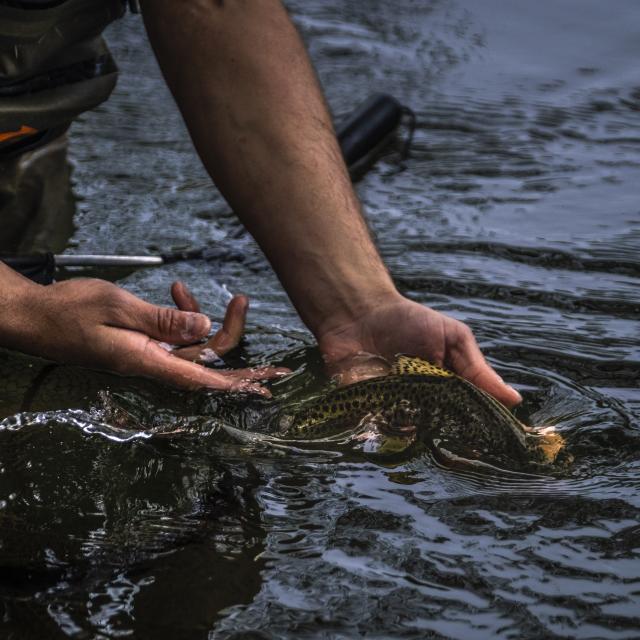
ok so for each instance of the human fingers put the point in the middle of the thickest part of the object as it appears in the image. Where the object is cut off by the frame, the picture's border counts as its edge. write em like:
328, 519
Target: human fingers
230, 334
467, 361
184, 299
225, 339
256, 373
162, 323
133, 354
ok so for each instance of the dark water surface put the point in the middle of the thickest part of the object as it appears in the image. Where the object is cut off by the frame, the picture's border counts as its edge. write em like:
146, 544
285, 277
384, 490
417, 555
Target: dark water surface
518, 212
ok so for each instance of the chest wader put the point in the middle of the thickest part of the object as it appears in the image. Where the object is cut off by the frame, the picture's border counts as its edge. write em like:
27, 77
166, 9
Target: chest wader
54, 65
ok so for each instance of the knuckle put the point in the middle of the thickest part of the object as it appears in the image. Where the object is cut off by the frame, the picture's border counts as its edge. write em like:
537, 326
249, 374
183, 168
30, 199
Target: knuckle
98, 288
102, 293
114, 302
92, 297
114, 295
167, 321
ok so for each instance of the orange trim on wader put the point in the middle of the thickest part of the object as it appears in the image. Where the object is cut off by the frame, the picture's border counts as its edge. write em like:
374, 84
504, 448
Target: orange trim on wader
24, 130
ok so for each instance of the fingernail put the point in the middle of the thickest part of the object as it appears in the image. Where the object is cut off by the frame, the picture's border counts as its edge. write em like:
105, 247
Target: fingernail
517, 393
196, 326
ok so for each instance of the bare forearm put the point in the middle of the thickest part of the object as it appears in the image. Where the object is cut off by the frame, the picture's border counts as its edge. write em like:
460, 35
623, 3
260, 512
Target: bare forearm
245, 86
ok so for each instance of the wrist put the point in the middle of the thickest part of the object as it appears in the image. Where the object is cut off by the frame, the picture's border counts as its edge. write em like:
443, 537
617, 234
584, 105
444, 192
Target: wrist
17, 318
350, 301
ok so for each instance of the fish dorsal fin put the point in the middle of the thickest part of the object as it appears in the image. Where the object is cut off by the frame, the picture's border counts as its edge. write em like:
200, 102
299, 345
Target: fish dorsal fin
408, 366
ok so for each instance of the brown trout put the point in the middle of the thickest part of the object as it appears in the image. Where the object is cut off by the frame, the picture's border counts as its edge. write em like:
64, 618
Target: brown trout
418, 402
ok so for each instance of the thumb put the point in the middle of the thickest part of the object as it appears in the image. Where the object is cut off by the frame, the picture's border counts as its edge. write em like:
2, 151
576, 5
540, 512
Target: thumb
469, 363
486, 378
168, 325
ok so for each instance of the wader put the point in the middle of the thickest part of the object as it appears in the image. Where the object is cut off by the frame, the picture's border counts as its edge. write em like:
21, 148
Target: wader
54, 65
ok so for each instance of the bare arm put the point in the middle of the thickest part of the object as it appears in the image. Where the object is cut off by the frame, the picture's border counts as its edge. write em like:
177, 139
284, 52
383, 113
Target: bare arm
245, 86
243, 81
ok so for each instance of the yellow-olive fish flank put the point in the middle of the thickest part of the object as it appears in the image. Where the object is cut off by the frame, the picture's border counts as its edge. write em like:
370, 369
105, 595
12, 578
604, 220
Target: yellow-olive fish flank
444, 409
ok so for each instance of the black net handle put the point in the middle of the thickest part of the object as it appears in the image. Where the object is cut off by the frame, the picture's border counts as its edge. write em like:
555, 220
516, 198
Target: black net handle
39, 267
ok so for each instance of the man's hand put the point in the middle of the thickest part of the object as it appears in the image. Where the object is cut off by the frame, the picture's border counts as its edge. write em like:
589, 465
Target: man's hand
256, 114
94, 323
403, 326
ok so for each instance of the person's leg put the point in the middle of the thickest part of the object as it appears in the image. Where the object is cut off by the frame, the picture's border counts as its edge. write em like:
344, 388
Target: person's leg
36, 201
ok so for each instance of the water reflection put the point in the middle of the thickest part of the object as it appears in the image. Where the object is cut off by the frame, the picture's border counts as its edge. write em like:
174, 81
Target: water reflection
98, 538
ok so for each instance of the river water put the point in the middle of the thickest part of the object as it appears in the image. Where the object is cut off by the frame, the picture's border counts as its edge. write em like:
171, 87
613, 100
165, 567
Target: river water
518, 212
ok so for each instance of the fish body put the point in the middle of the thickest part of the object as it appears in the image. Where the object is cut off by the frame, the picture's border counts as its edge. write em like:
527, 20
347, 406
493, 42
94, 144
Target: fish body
420, 402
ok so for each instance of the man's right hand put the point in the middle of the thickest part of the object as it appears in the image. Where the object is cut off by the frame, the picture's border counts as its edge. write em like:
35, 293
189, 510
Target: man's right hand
94, 323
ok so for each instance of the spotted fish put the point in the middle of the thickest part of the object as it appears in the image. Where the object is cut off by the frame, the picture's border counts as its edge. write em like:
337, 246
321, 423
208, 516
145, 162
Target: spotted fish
418, 402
